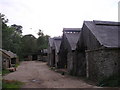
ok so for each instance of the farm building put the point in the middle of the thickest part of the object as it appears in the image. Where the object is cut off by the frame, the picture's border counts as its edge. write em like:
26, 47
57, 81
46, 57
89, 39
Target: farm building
8, 58
99, 42
28, 57
67, 52
44, 55
35, 56
55, 50
14, 58
50, 46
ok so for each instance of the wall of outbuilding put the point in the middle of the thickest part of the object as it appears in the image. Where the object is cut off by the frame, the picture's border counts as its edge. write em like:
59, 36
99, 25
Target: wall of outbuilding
56, 59
80, 63
70, 61
102, 63
50, 55
6, 62
76, 63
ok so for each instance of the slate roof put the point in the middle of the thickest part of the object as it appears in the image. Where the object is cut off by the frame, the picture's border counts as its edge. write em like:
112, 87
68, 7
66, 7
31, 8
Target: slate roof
57, 42
71, 29
105, 32
73, 36
9, 53
51, 41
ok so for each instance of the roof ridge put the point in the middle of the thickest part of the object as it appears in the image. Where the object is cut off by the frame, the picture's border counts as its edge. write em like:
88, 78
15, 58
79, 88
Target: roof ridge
108, 23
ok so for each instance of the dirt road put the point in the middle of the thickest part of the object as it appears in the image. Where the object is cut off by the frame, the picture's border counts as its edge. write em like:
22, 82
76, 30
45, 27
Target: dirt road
38, 75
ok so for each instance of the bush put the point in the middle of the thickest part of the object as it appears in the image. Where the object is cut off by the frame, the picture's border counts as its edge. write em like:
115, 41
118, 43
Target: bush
112, 81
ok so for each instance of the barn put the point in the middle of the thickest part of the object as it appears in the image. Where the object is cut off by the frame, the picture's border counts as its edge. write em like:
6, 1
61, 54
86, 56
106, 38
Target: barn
56, 48
14, 58
99, 43
67, 52
44, 55
6, 60
49, 53
9, 59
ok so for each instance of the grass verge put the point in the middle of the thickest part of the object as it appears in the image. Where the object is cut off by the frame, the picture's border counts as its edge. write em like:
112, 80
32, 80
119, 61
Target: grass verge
11, 84
5, 71
16, 65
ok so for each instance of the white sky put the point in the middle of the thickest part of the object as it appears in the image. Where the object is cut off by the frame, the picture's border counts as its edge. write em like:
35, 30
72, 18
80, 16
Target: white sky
52, 16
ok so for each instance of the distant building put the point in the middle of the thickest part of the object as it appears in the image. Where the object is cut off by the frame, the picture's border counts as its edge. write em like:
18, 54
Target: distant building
55, 50
67, 53
50, 57
9, 59
14, 58
44, 55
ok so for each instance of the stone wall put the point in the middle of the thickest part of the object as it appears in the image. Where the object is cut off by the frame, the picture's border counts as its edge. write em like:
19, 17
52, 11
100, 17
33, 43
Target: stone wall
80, 64
102, 63
6, 62
70, 62
76, 63
56, 60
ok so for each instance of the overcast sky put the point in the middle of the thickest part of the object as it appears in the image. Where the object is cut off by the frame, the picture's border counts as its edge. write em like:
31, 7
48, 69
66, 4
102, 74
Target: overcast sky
52, 16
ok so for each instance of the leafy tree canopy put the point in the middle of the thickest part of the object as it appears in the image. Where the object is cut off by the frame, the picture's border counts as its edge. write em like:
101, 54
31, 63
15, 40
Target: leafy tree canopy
13, 40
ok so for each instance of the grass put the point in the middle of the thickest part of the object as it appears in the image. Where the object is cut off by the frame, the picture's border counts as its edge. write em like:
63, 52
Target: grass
0, 71
52, 68
11, 84
5, 71
16, 65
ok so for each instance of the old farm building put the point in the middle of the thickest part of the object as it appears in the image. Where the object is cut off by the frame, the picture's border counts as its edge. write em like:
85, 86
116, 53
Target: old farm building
50, 46
44, 55
67, 49
9, 59
6, 60
100, 45
55, 51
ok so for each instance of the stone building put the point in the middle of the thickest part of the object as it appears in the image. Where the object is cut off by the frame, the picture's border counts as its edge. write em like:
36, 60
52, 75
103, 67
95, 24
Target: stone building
67, 52
100, 45
53, 49
49, 53
6, 60
56, 48
44, 55
14, 58
9, 59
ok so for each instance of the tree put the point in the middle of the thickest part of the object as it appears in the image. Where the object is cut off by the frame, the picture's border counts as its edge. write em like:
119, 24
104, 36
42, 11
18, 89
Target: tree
18, 28
10, 39
40, 33
42, 41
4, 20
13, 40
28, 44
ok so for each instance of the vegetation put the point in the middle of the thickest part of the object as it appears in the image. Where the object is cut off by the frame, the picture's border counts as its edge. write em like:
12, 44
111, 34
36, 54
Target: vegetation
11, 36
16, 65
13, 40
5, 71
42, 41
112, 81
11, 84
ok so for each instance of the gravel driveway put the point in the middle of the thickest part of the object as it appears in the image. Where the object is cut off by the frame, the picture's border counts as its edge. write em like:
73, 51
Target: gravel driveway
37, 74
